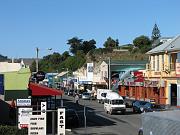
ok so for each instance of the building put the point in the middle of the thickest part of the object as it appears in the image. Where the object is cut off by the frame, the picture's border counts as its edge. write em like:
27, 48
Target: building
162, 73
15, 79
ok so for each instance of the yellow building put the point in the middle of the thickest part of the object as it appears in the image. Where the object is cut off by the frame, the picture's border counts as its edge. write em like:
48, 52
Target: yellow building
162, 76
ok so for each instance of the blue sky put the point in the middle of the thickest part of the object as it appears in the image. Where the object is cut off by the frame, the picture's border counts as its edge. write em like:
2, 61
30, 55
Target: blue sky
27, 24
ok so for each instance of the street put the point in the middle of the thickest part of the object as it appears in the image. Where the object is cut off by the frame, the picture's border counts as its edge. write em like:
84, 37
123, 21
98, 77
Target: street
100, 123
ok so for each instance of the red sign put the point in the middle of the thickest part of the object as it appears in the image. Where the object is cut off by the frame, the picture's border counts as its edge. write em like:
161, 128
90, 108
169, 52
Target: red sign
138, 76
24, 125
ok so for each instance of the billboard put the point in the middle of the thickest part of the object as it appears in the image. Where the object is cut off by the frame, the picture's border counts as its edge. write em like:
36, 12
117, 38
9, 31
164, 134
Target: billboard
90, 69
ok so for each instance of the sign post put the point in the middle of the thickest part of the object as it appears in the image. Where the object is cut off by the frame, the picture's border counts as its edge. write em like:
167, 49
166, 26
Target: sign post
61, 121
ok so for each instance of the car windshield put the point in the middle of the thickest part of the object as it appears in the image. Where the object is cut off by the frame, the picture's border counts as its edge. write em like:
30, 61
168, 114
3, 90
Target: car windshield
103, 94
117, 102
86, 94
148, 105
142, 103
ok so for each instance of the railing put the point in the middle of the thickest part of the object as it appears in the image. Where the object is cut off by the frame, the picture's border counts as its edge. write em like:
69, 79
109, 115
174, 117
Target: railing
172, 66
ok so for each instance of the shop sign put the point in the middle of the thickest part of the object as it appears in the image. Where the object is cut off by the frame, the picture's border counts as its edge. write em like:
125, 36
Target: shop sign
138, 76
23, 117
37, 125
151, 83
40, 75
23, 102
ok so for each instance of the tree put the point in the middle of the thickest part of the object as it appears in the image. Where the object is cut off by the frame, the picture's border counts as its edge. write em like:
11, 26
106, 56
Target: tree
111, 43
65, 55
155, 33
88, 45
75, 44
33, 66
143, 43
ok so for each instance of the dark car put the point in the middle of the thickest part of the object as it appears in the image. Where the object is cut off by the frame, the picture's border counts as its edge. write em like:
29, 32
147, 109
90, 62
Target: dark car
138, 106
149, 107
72, 119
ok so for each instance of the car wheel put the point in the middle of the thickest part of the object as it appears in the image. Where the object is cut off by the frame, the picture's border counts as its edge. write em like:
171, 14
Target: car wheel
123, 112
142, 109
110, 111
140, 133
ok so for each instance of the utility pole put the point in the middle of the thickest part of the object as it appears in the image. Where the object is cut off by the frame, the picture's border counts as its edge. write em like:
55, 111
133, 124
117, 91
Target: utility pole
109, 59
37, 58
37, 55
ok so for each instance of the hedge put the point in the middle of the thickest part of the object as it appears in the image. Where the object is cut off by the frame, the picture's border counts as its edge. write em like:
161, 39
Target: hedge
12, 130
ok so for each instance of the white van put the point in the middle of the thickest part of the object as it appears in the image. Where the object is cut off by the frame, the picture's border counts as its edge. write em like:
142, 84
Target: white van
114, 103
101, 94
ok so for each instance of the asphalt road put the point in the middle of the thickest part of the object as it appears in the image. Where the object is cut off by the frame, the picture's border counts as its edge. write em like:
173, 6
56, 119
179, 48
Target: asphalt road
100, 123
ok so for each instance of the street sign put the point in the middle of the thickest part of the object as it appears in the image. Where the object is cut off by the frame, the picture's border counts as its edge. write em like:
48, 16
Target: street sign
61, 121
23, 102
37, 125
43, 107
23, 117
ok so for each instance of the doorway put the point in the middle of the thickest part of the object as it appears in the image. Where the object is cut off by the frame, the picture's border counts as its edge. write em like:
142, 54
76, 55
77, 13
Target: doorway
174, 94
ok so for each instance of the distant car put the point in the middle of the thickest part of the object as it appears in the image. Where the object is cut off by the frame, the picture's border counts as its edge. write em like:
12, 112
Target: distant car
72, 119
86, 95
70, 93
138, 106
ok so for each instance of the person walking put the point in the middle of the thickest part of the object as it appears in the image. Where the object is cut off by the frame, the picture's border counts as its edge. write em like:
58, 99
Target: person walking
77, 99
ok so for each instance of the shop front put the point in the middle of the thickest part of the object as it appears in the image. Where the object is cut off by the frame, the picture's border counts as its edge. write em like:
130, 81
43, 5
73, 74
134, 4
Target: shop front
155, 91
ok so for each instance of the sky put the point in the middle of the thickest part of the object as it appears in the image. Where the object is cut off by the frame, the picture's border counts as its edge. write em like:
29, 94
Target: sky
27, 24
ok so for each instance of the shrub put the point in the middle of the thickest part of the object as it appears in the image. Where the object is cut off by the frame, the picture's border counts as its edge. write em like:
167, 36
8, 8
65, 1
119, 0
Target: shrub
12, 130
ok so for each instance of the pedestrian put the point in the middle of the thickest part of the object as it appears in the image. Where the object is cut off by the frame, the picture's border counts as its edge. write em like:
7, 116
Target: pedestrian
77, 99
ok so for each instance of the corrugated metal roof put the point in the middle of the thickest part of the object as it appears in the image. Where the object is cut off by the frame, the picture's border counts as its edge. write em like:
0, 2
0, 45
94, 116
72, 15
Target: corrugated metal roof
127, 62
172, 45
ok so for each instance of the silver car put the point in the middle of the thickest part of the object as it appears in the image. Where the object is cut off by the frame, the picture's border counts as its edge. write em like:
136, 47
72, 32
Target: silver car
86, 96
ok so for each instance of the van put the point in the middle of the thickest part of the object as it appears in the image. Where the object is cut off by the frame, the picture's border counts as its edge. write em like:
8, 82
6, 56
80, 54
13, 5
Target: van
101, 94
114, 103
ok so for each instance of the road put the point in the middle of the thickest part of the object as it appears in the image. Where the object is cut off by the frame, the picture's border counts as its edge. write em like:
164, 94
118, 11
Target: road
100, 123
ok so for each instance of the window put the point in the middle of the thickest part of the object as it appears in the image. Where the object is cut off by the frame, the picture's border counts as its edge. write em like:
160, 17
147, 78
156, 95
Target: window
153, 62
117, 102
157, 63
162, 62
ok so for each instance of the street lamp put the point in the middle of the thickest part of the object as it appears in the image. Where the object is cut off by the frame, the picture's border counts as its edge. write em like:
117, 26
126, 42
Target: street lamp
37, 58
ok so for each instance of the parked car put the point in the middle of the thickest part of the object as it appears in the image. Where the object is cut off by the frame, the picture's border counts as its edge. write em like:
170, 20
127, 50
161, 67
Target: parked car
150, 107
86, 95
72, 119
70, 92
138, 106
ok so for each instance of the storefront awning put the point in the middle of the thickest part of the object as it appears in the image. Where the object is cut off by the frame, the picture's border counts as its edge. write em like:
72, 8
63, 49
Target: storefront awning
39, 90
